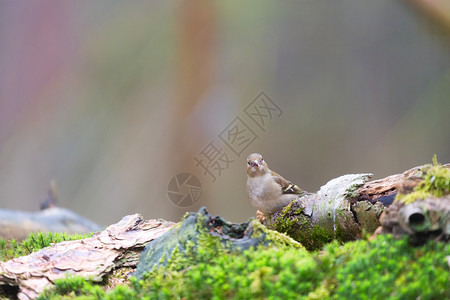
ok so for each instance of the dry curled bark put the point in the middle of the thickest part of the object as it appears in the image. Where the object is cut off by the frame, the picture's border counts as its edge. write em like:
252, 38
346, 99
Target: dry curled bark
384, 190
118, 245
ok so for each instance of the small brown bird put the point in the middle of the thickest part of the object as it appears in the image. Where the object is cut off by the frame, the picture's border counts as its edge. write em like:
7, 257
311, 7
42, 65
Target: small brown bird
268, 191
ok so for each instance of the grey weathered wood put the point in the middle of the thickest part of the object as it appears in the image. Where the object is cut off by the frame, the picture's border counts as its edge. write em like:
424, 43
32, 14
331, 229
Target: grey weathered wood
19, 224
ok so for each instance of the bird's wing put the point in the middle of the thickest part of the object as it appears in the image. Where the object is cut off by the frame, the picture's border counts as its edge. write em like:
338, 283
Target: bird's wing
287, 187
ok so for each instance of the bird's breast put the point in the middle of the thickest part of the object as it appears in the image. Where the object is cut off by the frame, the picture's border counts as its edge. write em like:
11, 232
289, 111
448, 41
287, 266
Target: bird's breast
260, 186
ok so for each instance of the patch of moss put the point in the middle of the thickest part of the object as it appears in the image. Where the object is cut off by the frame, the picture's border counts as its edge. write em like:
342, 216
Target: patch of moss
72, 287
34, 242
201, 232
284, 224
339, 233
284, 221
299, 227
377, 269
412, 197
275, 238
315, 238
436, 182
300, 230
388, 268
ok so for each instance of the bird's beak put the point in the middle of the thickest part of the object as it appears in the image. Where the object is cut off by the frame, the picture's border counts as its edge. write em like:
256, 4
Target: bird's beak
255, 163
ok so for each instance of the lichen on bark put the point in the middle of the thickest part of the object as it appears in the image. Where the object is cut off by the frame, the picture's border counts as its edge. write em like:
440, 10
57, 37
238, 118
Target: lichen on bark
316, 219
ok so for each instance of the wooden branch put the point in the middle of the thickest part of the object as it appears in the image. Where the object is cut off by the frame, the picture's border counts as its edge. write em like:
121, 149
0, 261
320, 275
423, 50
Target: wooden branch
118, 245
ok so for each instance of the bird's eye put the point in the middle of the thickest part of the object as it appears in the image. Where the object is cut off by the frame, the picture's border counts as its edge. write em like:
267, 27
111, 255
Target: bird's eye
248, 163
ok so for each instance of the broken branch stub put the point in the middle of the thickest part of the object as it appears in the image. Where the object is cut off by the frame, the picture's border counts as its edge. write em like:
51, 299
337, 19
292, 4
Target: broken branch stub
422, 220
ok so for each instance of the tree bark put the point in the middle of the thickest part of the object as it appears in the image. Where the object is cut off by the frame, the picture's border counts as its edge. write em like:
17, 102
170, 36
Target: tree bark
344, 209
119, 245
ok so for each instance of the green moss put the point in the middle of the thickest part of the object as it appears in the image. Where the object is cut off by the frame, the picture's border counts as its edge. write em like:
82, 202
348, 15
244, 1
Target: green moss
382, 268
275, 238
342, 234
315, 238
208, 247
186, 214
389, 268
33, 243
71, 287
436, 182
299, 229
284, 221
298, 226
284, 224
411, 197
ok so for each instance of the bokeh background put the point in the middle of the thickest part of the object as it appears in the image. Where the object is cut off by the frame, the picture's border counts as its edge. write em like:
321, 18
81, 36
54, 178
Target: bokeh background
111, 99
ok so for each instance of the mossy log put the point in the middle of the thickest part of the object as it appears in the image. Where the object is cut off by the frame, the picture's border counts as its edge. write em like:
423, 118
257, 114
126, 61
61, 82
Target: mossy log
421, 212
344, 209
421, 220
119, 245
201, 230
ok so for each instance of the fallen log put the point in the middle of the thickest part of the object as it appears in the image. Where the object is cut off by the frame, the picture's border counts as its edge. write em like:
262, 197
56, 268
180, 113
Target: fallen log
119, 245
200, 229
421, 212
19, 224
345, 208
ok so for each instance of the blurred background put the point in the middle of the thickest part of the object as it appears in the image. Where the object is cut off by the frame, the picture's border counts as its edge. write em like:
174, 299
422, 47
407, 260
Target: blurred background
112, 99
